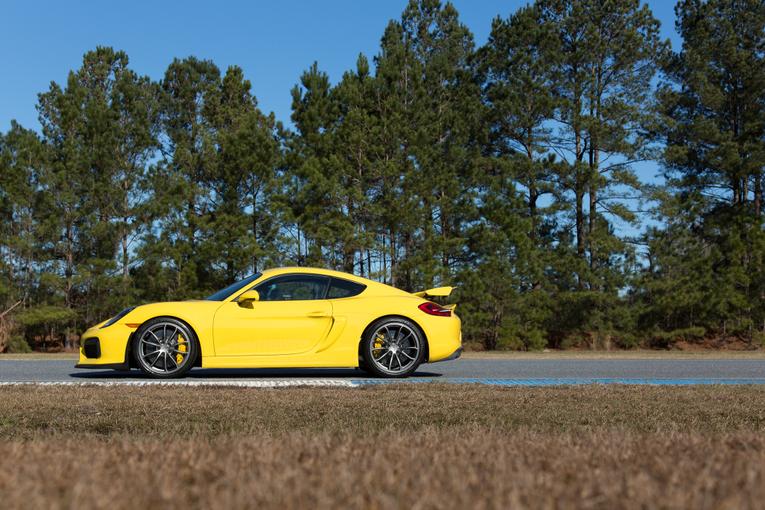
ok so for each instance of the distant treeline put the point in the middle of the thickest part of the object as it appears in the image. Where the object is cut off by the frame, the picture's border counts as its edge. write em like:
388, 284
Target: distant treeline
508, 170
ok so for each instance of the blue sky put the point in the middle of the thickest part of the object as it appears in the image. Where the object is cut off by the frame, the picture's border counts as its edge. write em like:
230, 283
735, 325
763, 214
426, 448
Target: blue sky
272, 41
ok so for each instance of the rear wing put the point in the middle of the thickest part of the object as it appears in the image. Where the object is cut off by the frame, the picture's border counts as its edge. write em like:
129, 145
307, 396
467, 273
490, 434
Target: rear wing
437, 292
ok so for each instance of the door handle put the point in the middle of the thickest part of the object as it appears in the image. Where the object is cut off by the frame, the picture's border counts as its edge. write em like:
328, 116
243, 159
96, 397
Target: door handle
318, 315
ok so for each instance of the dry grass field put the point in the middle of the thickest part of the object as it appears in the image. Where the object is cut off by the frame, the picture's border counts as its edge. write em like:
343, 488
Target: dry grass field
397, 446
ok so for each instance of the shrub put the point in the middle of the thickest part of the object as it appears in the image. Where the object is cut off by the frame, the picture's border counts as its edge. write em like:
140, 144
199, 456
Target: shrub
534, 340
758, 338
17, 344
665, 339
45, 323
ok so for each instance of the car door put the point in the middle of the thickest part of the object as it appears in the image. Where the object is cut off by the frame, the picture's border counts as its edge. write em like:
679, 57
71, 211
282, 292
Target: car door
291, 317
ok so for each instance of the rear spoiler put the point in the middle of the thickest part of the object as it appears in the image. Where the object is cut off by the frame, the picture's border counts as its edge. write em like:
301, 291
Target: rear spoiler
437, 292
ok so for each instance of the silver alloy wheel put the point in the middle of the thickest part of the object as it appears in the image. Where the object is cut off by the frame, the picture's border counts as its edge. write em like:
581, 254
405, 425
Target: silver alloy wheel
395, 348
164, 348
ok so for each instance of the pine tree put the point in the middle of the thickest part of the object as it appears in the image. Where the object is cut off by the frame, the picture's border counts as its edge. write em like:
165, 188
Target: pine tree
242, 231
357, 156
21, 154
513, 242
99, 135
176, 265
395, 93
518, 68
608, 55
312, 191
706, 269
432, 105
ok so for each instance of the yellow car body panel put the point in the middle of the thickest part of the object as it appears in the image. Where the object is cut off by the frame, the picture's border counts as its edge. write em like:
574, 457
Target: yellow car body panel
274, 334
437, 292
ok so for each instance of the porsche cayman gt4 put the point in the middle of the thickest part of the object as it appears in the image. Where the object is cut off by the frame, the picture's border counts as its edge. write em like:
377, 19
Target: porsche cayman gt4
281, 318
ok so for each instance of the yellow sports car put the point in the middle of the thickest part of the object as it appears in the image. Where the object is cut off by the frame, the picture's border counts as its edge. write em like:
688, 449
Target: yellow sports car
281, 318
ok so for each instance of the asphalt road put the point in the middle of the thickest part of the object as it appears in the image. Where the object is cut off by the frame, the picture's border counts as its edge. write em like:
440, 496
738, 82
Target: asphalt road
494, 371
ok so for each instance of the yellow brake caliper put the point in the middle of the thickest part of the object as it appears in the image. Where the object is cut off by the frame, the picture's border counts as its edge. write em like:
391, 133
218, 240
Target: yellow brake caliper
379, 339
181, 348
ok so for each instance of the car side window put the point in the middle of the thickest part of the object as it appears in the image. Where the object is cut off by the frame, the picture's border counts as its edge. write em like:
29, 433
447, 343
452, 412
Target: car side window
343, 288
293, 288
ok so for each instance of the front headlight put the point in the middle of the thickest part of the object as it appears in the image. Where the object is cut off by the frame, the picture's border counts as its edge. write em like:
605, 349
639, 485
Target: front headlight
118, 317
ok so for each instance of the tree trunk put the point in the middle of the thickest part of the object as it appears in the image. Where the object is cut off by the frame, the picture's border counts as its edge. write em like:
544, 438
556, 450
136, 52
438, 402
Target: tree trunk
393, 259
69, 273
744, 189
595, 110
758, 194
69, 270
125, 255
444, 242
593, 203
579, 192
255, 238
190, 238
349, 251
578, 184
124, 240
533, 194
349, 259
533, 197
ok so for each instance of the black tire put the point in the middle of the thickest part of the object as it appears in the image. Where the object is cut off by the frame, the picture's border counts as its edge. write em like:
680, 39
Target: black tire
175, 344
387, 342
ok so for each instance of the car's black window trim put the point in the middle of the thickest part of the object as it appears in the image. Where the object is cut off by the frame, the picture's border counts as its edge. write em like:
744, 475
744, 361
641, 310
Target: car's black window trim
328, 281
363, 287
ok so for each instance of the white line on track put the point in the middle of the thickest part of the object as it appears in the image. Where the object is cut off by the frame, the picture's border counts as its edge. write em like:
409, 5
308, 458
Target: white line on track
336, 383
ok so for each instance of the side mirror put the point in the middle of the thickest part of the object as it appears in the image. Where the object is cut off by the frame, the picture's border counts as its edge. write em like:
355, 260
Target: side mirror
245, 300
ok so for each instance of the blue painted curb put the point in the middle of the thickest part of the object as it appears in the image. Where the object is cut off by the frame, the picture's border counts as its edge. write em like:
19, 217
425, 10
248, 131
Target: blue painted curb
563, 381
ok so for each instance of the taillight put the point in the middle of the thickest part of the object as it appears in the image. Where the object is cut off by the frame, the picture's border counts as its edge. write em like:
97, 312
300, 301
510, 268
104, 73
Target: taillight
435, 309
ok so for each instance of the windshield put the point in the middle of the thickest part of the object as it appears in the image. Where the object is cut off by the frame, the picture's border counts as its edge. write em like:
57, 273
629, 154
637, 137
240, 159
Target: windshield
234, 287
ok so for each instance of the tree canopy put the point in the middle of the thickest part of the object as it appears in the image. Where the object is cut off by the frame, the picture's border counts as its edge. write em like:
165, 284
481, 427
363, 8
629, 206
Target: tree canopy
506, 169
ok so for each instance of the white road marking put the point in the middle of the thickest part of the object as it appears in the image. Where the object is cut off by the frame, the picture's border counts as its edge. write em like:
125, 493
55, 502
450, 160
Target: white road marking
336, 383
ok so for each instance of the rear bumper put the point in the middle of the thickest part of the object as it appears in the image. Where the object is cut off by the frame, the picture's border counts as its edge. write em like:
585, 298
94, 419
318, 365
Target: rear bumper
456, 354
444, 338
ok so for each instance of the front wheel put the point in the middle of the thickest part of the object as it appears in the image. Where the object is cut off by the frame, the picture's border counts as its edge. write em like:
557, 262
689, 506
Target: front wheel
165, 348
393, 347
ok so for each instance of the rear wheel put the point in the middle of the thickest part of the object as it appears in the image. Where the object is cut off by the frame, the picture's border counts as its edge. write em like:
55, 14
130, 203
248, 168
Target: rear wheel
165, 348
392, 347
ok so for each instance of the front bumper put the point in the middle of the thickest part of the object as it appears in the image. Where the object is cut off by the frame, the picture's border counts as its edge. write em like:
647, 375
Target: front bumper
105, 348
113, 366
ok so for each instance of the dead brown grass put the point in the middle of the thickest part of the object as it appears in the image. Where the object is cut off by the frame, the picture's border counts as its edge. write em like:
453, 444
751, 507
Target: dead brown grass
461, 468
419, 446
38, 412
38, 356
